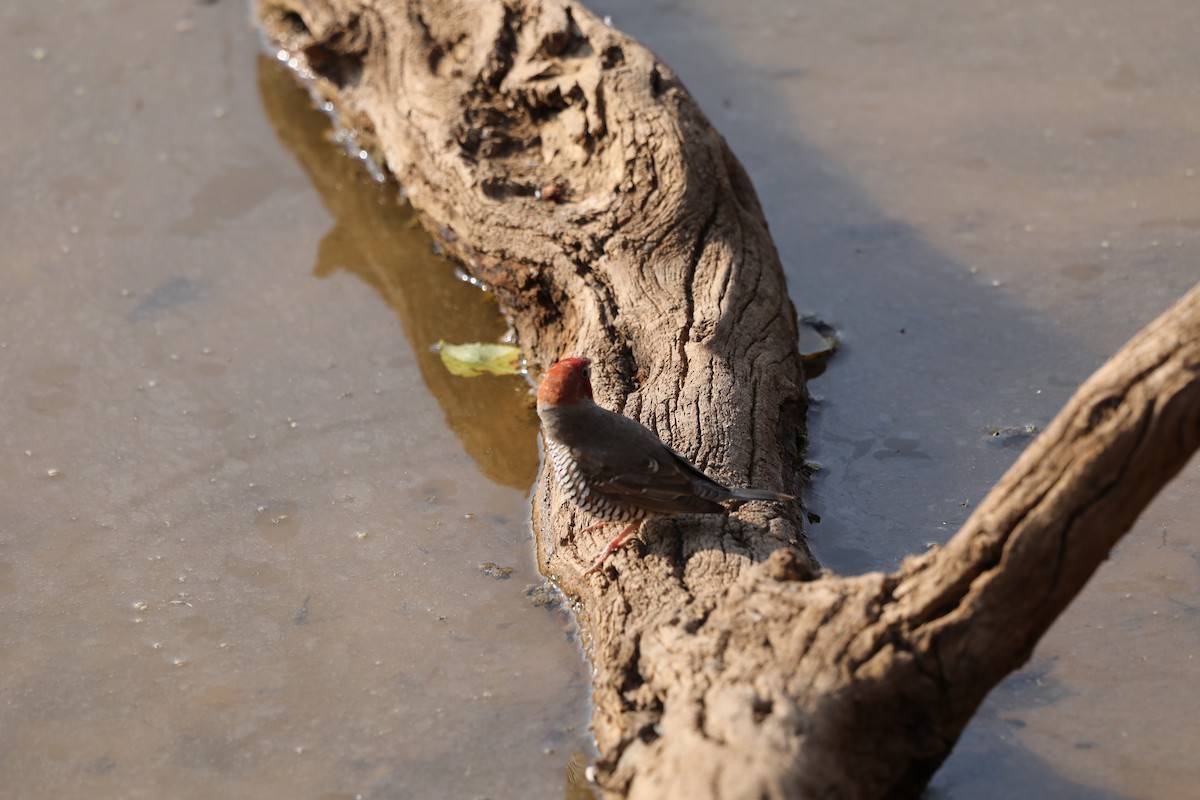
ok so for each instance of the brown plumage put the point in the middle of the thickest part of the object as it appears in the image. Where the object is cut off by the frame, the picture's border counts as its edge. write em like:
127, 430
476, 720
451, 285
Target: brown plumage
617, 469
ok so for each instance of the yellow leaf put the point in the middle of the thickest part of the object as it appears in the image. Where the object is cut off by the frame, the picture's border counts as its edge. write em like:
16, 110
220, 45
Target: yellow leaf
476, 358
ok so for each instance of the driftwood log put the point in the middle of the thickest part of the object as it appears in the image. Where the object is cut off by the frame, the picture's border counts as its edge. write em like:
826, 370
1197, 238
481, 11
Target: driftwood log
569, 169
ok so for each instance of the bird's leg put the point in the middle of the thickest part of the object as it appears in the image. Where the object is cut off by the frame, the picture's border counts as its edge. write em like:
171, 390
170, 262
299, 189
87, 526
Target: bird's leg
594, 527
612, 546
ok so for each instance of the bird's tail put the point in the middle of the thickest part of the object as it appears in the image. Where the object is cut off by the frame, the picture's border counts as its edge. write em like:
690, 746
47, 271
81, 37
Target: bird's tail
759, 494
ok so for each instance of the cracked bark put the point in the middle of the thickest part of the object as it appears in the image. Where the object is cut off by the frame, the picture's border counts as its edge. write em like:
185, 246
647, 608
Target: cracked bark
570, 170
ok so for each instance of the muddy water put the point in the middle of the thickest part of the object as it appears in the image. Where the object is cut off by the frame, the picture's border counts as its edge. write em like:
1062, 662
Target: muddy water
987, 199
245, 508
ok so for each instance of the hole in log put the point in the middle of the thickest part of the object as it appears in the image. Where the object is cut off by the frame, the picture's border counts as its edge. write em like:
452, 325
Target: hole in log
499, 189
293, 22
648, 733
613, 56
342, 69
1102, 411
656, 82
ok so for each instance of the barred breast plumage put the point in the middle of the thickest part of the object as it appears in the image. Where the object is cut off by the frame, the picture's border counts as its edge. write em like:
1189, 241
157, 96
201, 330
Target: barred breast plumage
578, 489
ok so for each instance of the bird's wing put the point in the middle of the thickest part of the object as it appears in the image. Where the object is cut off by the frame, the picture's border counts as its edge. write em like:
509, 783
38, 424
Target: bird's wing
661, 482
703, 485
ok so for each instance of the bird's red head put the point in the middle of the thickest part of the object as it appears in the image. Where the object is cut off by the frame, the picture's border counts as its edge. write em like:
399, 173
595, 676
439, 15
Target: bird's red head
568, 381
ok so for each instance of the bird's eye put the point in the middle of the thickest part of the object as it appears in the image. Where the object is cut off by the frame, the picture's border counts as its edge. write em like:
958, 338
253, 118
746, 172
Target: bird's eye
587, 372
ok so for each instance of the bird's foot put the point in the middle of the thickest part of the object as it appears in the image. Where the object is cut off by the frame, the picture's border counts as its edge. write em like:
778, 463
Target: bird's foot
595, 526
612, 547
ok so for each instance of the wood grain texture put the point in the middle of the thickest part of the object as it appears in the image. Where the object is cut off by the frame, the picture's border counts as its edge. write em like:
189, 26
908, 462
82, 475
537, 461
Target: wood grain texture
569, 169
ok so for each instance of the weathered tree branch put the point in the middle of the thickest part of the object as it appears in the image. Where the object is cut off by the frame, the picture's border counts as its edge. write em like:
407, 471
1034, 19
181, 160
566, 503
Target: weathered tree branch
570, 170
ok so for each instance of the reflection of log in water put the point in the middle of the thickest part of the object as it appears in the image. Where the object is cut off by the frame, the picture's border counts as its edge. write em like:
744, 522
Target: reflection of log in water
378, 239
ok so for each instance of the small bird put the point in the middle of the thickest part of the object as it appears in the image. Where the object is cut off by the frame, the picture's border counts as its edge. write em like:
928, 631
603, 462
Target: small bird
617, 469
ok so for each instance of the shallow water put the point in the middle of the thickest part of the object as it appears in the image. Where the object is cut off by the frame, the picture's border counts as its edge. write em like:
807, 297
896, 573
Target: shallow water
246, 512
